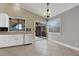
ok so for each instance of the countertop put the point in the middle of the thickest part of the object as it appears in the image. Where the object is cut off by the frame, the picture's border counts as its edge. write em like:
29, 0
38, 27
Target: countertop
10, 33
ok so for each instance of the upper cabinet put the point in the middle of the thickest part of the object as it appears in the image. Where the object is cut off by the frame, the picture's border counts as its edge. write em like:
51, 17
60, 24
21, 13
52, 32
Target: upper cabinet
4, 20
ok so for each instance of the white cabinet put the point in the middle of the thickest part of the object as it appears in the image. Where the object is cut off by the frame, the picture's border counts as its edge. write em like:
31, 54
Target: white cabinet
28, 38
15, 40
10, 40
3, 40
4, 20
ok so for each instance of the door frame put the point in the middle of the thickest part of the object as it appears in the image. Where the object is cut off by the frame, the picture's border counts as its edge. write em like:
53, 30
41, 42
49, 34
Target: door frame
46, 29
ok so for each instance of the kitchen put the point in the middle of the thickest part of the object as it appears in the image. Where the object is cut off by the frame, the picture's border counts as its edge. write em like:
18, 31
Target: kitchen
13, 36
16, 25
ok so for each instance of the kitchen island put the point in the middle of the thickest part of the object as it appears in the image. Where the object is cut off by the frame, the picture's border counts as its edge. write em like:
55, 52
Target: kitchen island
8, 39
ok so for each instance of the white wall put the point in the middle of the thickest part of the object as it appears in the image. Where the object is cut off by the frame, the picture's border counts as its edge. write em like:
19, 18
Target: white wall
69, 28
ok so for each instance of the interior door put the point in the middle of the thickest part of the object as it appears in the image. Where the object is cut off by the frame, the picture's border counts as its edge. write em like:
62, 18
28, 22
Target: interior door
40, 30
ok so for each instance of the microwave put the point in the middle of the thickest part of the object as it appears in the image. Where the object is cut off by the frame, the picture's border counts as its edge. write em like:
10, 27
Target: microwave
3, 29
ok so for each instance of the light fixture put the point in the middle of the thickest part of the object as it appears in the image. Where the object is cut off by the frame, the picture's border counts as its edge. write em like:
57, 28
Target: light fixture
47, 14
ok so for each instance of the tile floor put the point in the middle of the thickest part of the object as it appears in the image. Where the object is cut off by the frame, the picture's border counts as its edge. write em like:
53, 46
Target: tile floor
39, 48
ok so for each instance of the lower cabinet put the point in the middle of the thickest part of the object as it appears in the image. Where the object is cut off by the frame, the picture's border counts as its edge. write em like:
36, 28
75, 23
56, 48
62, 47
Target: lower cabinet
14, 40
10, 40
28, 38
4, 40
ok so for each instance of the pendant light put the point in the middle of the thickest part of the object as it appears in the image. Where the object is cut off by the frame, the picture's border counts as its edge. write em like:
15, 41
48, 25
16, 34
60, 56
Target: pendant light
47, 14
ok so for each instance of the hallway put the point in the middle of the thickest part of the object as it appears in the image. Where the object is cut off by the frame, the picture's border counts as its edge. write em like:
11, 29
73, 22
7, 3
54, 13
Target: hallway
39, 48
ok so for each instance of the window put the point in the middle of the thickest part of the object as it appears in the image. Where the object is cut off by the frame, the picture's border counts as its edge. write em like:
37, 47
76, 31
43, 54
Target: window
16, 24
54, 25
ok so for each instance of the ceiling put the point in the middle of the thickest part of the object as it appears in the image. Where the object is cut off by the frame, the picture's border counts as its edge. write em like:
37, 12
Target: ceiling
55, 8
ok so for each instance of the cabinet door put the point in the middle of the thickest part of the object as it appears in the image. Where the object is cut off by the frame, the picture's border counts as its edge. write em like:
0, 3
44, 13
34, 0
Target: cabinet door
28, 38
20, 39
3, 41
4, 20
15, 40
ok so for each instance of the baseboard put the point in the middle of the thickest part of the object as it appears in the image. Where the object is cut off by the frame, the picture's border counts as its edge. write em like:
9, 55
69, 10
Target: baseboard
66, 45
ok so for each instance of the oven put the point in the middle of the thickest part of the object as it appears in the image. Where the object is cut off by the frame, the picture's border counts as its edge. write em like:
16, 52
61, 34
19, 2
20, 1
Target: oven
3, 29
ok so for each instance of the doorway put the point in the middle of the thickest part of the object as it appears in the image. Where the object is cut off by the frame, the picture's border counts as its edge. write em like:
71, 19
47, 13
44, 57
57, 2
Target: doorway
40, 31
